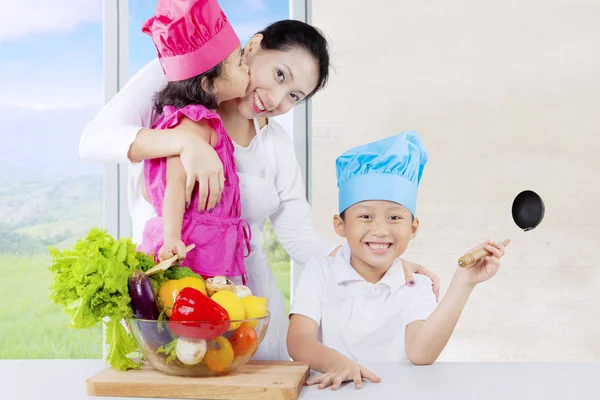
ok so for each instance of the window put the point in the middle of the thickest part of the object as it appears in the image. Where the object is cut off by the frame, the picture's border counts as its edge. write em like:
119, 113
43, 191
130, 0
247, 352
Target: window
247, 17
51, 75
51, 80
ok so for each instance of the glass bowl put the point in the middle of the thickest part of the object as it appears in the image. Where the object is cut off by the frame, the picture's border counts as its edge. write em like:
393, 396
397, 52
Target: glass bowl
198, 348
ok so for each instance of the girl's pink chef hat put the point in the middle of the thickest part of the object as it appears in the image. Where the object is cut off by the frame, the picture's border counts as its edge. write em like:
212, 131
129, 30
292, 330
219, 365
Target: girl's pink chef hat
191, 36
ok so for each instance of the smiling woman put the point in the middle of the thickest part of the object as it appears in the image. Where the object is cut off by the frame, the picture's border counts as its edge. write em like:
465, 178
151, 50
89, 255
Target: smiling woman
246, 20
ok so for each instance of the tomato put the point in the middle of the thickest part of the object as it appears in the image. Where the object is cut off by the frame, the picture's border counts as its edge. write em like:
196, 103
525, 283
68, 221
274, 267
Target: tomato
219, 354
170, 289
243, 340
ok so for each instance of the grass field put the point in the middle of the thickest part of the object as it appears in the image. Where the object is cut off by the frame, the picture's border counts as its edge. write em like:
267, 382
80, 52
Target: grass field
31, 326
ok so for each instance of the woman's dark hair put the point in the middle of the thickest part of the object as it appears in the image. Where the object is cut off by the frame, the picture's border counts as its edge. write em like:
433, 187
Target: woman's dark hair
189, 91
288, 34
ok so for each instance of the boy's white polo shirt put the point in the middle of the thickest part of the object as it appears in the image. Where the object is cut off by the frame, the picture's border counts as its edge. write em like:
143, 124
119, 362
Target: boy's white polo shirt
364, 321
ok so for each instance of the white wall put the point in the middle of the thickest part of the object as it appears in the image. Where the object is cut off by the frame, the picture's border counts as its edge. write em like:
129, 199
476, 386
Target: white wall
506, 97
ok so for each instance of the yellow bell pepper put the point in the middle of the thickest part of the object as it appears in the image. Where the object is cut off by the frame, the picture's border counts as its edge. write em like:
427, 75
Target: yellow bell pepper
169, 290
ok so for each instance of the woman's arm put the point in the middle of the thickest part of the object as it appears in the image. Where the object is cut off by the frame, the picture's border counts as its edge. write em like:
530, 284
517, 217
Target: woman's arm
121, 133
108, 138
292, 222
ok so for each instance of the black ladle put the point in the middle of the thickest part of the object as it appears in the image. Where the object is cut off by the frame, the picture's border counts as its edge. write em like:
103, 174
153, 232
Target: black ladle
528, 211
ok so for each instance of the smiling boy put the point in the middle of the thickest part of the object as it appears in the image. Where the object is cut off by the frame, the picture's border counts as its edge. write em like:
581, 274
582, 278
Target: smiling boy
356, 307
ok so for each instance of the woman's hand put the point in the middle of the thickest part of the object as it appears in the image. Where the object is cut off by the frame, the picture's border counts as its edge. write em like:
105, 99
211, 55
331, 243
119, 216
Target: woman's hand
410, 268
202, 165
346, 370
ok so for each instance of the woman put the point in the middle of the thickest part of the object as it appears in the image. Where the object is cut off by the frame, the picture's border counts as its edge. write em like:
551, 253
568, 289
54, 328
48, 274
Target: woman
288, 63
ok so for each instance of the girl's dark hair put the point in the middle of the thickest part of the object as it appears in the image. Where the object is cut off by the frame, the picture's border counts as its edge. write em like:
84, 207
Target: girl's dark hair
189, 91
288, 34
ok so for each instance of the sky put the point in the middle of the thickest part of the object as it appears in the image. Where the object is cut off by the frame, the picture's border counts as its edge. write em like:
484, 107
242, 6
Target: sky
51, 50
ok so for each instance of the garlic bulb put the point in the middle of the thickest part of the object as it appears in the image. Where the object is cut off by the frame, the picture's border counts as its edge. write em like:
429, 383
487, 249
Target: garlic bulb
242, 291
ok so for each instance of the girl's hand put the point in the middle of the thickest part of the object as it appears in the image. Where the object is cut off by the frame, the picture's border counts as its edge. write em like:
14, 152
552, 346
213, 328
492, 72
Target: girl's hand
343, 372
202, 165
485, 268
410, 268
171, 247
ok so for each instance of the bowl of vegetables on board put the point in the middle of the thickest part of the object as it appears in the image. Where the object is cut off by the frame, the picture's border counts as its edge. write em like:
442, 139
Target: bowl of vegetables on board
173, 319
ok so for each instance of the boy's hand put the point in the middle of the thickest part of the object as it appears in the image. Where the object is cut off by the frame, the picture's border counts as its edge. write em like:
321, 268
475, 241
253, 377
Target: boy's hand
171, 247
485, 268
343, 372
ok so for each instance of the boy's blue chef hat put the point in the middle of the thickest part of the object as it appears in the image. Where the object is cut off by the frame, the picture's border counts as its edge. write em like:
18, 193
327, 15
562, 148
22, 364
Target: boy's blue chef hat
388, 169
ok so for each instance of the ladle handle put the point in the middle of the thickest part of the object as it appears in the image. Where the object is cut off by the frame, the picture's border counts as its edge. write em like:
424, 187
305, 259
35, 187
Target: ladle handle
474, 256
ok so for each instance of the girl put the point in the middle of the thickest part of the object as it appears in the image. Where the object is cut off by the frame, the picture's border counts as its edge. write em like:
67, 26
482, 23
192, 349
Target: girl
202, 59
288, 63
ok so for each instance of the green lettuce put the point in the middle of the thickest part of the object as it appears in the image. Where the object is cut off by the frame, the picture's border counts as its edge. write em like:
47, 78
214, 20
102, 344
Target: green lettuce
90, 282
170, 350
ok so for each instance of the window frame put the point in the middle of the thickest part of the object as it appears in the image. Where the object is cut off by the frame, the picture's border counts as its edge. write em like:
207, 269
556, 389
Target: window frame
300, 10
115, 61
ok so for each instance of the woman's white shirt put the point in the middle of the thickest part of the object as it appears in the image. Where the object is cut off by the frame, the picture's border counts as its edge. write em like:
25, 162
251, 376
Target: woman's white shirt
108, 137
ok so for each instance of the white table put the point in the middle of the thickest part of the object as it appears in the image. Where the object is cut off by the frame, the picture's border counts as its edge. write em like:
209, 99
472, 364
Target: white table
65, 380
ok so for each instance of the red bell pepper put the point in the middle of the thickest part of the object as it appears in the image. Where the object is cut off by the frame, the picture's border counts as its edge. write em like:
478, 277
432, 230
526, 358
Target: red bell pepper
196, 316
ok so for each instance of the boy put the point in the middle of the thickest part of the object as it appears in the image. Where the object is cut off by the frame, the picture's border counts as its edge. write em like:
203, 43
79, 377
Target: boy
356, 306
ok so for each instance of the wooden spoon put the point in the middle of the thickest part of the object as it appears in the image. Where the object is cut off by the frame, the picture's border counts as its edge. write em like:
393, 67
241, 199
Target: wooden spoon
165, 265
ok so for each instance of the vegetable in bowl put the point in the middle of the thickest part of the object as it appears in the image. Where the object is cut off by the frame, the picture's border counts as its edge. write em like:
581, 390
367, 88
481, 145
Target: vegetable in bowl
169, 318
91, 283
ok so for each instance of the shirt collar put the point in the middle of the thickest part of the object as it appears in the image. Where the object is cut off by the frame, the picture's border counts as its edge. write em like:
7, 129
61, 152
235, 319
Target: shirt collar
343, 271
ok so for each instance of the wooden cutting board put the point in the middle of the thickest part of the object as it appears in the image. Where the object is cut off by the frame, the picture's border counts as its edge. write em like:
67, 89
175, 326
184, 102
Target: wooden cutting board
264, 380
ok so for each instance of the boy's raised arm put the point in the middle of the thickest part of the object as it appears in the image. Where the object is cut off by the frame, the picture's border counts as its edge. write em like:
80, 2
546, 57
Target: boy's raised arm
425, 340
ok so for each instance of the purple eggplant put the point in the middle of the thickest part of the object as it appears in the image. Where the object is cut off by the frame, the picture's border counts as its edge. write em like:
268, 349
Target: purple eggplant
143, 301
155, 333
